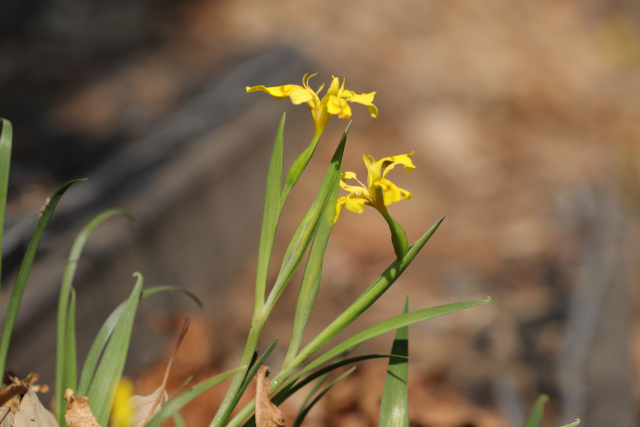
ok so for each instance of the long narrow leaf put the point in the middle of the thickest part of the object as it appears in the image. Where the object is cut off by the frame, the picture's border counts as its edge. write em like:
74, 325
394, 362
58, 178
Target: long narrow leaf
63, 301
178, 402
102, 390
535, 417
304, 232
25, 268
371, 295
394, 408
387, 326
285, 392
178, 421
573, 424
324, 391
5, 161
252, 373
312, 275
70, 378
270, 217
103, 335
299, 165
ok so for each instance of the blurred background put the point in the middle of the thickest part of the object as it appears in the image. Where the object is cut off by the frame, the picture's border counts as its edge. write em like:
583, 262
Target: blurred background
525, 121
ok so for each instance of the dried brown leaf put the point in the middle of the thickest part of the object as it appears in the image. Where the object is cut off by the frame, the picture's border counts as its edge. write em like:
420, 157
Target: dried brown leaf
6, 416
32, 414
78, 411
145, 407
267, 414
9, 392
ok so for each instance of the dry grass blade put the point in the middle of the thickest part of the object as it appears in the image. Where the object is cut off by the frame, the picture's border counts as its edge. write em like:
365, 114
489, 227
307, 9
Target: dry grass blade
161, 390
32, 414
267, 414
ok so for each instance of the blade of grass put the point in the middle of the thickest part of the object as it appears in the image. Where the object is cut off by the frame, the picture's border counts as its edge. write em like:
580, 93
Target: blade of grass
305, 231
270, 217
5, 161
102, 390
312, 275
178, 421
394, 407
63, 301
535, 417
252, 373
324, 391
70, 378
299, 165
573, 424
25, 268
103, 335
178, 402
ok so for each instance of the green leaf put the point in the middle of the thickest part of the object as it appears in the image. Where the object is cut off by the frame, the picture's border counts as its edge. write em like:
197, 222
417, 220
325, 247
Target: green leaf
252, 373
178, 421
299, 165
178, 402
535, 418
25, 268
573, 424
270, 217
387, 326
371, 295
312, 274
394, 408
306, 410
102, 390
63, 301
285, 392
5, 161
304, 232
70, 378
103, 335
398, 235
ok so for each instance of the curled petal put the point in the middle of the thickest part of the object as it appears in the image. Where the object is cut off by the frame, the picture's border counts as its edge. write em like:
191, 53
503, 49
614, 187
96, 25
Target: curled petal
391, 162
338, 106
301, 95
392, 193
280, 92
347, 175
365, 99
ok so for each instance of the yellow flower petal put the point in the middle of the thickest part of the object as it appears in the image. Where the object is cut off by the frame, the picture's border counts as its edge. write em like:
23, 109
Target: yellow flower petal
392, 193
280, 92
338, 106
391, 162
300, 96
334, 89
339, 205
355, 203
366, 99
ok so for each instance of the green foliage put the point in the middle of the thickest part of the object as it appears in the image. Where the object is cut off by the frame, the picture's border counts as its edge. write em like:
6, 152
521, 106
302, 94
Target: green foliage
394, 407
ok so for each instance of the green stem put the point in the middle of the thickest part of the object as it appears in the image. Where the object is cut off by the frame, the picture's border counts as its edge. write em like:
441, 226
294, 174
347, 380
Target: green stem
398, 235
250, 347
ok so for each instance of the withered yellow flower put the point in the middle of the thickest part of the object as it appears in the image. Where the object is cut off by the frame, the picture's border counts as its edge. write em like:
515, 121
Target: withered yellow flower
122, 411
379, 191
334, 102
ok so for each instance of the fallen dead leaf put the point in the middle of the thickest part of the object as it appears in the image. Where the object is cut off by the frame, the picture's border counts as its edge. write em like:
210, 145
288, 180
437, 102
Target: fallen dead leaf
6, 416
32, 414
267, 414
145, 407
78, 411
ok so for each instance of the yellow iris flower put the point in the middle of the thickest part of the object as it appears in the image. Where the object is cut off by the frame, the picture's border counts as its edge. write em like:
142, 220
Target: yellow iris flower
379, 191
334, 102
